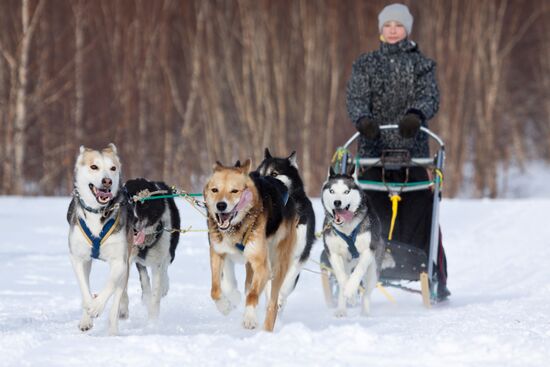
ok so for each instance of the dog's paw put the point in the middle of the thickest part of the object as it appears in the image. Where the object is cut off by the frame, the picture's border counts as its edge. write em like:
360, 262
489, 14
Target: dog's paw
350, 294
95, 307
281, 303
224, 306
365, 310
249, 320
85, 324
123, 314
164, 291
145, 298
165, 288
250, 323
340, 313
235, 298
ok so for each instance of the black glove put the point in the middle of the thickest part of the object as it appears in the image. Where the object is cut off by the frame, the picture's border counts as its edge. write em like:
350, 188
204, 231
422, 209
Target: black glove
368, 128
410, 125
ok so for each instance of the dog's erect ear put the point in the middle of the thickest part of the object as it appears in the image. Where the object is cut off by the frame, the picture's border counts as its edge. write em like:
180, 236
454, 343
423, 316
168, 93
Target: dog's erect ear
218, 166
267, 154
352, 170
111, 148
245, 167
238, 163
83, 149
331, 172
293, 159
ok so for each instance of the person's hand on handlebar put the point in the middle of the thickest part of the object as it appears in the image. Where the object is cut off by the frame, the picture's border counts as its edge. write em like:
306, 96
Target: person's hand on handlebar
410, 125
368, 128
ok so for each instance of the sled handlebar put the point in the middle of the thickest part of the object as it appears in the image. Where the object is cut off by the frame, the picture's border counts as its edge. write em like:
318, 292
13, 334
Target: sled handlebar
425, 130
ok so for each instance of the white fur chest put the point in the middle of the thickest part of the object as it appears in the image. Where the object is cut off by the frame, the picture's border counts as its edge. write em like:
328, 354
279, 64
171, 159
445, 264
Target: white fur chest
338, 245
228, 247
301, 240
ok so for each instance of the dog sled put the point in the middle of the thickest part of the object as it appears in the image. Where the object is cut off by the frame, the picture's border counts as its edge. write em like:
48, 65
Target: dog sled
410, 263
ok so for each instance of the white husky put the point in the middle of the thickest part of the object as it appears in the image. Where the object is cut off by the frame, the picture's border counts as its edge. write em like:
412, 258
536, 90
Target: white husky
98, 230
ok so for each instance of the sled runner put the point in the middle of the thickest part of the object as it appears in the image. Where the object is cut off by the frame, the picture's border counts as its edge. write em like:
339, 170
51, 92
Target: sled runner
410, 263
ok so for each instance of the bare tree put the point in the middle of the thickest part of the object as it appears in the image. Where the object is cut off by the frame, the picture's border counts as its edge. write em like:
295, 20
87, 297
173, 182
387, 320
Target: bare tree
79, 37
180, 84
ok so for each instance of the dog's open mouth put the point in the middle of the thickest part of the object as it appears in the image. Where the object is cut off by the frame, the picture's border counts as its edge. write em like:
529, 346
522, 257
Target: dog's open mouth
342, 215
139, 237
224, 219
103, 196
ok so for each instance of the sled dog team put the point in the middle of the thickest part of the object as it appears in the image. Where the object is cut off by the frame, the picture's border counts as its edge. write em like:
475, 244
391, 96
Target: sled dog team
259, 218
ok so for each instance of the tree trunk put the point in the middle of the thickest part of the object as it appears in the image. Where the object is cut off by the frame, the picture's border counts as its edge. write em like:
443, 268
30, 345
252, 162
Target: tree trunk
19, 137
79, 23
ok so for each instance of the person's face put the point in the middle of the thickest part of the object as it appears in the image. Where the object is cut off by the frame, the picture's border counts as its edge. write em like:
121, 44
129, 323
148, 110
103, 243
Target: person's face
393, 31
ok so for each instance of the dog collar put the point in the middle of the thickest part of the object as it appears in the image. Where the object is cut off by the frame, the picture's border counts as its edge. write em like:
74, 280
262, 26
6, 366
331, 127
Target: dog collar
84, 206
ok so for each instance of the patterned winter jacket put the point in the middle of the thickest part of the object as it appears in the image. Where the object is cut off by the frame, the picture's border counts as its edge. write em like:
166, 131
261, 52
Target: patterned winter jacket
386, 84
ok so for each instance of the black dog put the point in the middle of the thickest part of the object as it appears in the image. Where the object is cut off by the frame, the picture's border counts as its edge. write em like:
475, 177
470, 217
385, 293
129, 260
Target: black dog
286, 171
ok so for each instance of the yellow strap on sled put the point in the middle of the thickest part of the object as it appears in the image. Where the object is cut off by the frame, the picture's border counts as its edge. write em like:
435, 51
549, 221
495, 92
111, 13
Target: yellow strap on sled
385, 292
395, 199
440, 174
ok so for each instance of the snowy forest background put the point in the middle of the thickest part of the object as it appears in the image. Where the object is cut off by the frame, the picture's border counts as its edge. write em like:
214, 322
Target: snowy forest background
178, 85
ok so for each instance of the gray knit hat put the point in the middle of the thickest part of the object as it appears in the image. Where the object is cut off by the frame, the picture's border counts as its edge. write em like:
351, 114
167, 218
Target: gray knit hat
396, 12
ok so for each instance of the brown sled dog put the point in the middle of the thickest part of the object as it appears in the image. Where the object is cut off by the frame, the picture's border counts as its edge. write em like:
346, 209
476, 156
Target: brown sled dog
251, 219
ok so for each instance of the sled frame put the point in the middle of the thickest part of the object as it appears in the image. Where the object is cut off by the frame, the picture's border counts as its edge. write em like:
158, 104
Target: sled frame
429, 281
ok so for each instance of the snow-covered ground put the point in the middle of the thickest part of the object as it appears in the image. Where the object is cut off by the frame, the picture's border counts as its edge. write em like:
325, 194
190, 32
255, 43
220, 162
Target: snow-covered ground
498, 314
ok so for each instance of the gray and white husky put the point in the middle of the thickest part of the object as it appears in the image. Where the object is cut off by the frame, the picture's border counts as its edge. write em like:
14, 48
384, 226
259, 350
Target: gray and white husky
154, 247
352, 240
99, 230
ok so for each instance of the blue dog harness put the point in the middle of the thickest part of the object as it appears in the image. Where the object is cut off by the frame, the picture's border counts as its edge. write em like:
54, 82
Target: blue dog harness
350, 240
96, 242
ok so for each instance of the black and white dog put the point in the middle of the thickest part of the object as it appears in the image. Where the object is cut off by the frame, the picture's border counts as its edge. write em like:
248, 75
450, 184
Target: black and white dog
154, 244
286, 170
352, 240
98, 229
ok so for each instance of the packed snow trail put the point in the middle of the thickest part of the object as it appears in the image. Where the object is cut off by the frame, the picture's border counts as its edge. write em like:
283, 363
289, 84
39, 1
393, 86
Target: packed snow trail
498, 315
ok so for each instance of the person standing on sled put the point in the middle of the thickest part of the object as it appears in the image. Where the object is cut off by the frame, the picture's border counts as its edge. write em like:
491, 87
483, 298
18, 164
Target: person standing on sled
396, 84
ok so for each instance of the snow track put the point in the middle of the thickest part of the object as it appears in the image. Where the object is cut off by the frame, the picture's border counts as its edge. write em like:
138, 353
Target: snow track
498, 315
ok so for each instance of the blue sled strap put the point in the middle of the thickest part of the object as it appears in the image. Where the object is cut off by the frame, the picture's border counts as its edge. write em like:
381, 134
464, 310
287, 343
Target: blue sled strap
96, 242
350, 240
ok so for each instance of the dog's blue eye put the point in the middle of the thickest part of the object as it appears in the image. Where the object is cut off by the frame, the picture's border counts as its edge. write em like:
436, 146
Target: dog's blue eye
93, 166
214, 190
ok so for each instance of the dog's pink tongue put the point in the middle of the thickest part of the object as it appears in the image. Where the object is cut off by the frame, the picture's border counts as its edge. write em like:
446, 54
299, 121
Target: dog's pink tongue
343, 215
139, 238
246, 198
